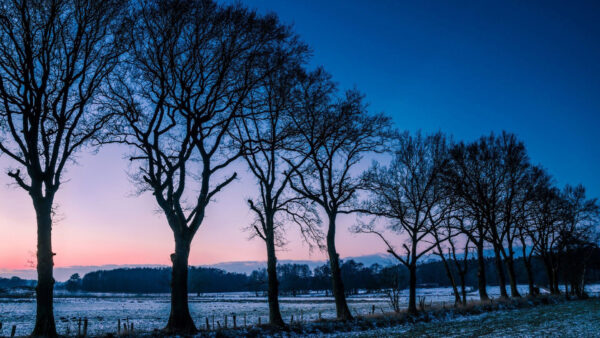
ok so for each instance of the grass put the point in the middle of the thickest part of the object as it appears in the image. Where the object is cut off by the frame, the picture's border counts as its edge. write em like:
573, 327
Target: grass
580, 318
544, 316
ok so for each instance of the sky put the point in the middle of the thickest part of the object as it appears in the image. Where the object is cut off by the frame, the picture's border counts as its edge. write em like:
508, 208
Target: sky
466, 68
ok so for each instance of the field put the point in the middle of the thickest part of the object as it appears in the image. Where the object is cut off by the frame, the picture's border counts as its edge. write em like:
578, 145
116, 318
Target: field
149, 312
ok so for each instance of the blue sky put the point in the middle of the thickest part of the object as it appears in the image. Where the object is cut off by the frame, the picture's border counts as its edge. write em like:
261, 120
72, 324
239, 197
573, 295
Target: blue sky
465, 68
468, 68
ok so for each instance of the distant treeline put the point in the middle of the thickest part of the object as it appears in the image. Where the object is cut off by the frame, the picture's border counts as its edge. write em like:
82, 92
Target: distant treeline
299, 278
15, 282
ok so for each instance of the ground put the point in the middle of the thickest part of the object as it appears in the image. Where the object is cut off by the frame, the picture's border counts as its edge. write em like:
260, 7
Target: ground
568, 319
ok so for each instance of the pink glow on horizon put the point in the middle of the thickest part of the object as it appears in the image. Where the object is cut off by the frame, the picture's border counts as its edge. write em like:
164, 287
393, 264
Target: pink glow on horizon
100, 221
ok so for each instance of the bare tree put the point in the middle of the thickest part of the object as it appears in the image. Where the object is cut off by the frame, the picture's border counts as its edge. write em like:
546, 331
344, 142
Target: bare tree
578, 235
268, 139
545, 213
54, 56
462, 265
450, 233
461, 181
337, 134
515, 166
537, 181
191, 66
476, 175
441, 236
409, 194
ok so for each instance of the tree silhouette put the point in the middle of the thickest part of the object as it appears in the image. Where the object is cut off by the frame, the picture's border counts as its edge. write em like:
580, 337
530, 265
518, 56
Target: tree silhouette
408, 193
336, 135
54, 57
578, 236
475, 175
188, 72
268, 138
515, 168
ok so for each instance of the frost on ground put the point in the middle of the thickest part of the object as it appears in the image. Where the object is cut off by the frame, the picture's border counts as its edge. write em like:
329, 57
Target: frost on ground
568, 319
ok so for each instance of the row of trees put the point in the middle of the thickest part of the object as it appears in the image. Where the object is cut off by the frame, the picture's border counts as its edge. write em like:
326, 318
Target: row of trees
194, 86
451, 198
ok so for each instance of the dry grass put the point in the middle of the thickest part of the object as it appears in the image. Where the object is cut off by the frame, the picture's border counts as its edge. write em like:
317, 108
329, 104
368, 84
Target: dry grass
388, 323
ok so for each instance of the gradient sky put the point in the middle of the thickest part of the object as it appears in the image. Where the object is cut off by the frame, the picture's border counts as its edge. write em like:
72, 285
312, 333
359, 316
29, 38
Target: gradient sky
465, 68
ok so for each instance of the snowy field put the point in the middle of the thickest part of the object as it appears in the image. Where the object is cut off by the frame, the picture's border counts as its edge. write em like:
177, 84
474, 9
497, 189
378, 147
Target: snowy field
148, 312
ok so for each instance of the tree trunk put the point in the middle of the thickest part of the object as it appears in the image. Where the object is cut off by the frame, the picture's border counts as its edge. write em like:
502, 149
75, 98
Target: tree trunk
581, 284
44, 320
180, 320
463, 289
500, 271
550, 274
566, 282
512, 277
481, 272
555, 280
554, 263
343, 312
412, 287
529, 270
273, 292
450, 277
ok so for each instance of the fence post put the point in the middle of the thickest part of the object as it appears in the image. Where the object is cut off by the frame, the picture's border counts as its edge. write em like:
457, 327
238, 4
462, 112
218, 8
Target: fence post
85, 326
118, 326
258, 320
13, 330
245, 320
225, 321
79, 327
207, 327
234, 321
